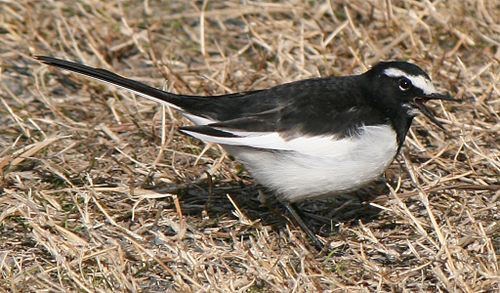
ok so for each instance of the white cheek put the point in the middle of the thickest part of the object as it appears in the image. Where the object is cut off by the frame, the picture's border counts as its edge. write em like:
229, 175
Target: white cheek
411, 110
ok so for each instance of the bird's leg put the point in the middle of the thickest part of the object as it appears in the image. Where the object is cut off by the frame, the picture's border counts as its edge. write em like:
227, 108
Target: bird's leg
210, 196
292, 209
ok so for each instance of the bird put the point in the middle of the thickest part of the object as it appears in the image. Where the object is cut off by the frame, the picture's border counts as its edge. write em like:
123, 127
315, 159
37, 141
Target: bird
307, 139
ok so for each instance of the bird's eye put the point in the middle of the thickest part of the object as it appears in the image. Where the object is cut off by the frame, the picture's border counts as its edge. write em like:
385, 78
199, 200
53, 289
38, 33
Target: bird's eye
404, 84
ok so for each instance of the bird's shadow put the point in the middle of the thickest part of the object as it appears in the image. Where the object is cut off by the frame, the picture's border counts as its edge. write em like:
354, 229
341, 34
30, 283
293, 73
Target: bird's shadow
322, 216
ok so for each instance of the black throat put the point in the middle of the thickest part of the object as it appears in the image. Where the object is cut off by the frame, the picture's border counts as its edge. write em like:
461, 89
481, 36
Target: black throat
401, 124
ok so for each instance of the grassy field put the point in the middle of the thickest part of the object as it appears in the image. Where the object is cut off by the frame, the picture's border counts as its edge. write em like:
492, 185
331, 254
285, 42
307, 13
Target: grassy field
100, 193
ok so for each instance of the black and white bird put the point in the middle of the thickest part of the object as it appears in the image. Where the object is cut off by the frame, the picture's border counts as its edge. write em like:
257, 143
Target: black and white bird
305, 139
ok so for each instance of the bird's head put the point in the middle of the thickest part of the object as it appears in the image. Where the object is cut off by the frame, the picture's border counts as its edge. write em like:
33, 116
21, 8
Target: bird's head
404, 86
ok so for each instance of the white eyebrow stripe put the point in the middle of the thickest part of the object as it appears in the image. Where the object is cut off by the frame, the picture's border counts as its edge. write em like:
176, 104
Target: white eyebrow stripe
418, 81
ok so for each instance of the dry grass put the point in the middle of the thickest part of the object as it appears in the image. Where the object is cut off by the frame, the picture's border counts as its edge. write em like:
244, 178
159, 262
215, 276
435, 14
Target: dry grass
100, 193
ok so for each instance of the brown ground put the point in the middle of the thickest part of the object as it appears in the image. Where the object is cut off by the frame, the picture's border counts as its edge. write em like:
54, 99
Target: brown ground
100, 193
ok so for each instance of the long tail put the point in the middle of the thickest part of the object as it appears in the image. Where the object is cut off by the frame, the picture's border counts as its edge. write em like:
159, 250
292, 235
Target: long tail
139, 88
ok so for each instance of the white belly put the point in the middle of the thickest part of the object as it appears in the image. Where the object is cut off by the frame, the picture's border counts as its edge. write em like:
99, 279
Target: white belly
338, 165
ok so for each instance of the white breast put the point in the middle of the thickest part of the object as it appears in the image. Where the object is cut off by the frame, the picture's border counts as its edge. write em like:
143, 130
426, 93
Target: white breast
319, 166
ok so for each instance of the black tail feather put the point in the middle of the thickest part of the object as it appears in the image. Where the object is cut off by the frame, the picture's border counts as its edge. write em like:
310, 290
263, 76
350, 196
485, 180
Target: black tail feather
114, 79
215, 108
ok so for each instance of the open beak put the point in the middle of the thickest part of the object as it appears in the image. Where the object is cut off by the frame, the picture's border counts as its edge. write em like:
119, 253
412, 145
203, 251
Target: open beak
419, 102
